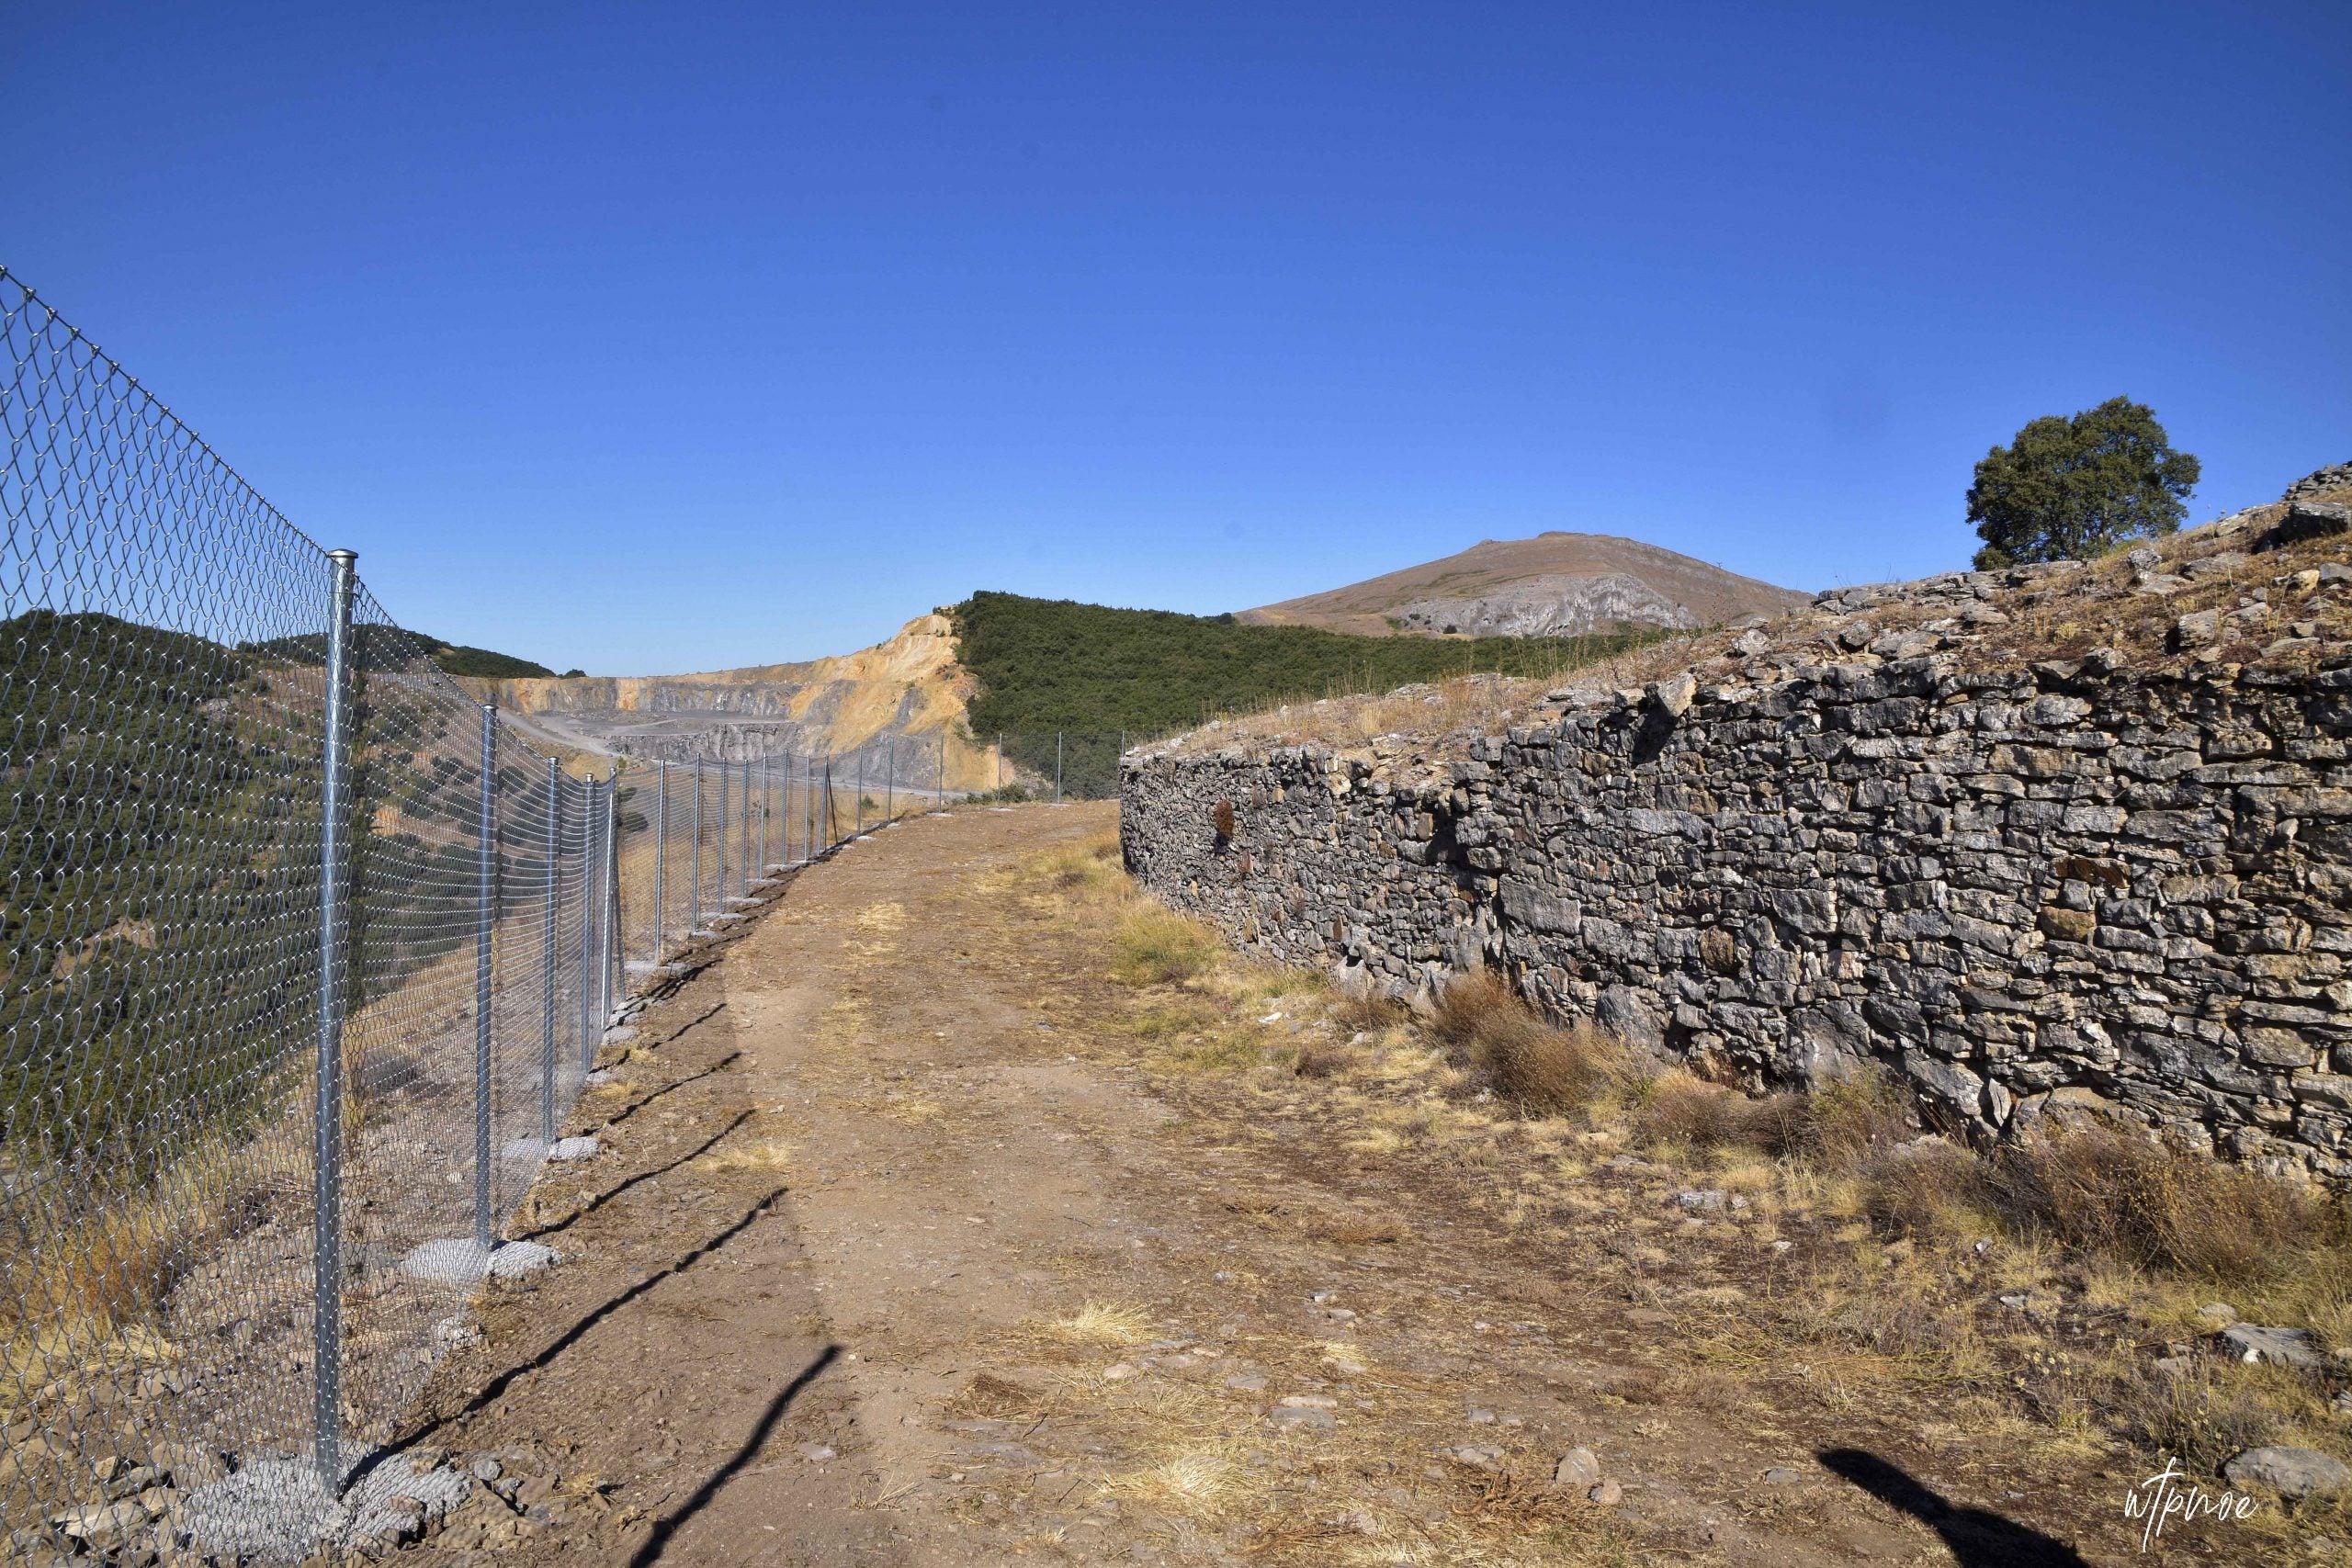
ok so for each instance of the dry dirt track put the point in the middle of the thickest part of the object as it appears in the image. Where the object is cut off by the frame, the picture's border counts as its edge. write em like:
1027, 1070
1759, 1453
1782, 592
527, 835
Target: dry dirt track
863, 1164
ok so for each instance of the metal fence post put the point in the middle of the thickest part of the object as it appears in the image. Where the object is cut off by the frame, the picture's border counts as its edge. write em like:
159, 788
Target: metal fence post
693, 915
942, 770
743, 833
661, 841
326, 1251
547, 980
890, 779
721, 889
485, 916
587, 921
608, 930
1058, 767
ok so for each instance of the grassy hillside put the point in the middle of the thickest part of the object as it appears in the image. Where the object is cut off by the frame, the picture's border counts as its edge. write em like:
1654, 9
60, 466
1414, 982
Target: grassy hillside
459, 660
158, 937
1048, 665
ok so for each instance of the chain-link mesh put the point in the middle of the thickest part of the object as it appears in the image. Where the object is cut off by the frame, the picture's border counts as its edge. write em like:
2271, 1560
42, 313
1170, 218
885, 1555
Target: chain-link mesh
272, 1084
165, 687
697, 842
1056, 764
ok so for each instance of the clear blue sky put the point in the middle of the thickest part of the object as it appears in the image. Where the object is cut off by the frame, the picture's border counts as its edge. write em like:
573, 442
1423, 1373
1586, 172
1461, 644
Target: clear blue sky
651, 338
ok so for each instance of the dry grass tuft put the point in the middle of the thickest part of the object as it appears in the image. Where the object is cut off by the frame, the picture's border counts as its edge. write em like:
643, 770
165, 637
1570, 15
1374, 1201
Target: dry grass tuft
1103, 1323
2191, 1413
1687, 1112
1384, 1230
2149, 1203
1091, 869
1226, 1050
82, 1290
1155, 946
1499, 1506
1849, 1119
767, 1154
989, 1397
124, 1263
1364, 1011
1318, 1058
1839, 1127
1930, 1189
1191, 1482
1541, 1067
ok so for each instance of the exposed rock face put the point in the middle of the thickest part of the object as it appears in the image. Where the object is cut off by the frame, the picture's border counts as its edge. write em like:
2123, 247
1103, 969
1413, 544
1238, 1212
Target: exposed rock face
1551, 605
885, 710
2073, 888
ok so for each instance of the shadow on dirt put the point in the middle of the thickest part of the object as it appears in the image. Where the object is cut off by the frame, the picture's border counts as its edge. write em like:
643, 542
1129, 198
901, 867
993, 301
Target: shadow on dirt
1977, 1538
635, 1106
490, 1392
606, 1196
717, 1479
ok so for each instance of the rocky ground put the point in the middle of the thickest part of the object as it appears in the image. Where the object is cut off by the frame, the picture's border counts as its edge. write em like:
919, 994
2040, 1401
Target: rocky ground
916, 1237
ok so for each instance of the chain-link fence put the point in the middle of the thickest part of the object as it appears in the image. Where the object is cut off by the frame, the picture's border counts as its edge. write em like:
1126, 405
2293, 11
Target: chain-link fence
696, 842
1056, 764
307, 958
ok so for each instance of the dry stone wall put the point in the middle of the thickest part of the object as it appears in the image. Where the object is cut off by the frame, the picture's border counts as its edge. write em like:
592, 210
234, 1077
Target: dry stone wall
2058, 890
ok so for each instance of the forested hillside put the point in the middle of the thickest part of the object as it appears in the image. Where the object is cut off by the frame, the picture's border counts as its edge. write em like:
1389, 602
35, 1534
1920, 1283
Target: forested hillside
1053, 665
459, 660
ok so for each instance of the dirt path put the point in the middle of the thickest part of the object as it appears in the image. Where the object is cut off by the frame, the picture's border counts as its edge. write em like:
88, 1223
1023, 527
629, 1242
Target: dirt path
895, 1255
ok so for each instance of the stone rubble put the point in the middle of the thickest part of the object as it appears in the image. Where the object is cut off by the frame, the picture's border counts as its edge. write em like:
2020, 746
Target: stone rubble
2293, 1473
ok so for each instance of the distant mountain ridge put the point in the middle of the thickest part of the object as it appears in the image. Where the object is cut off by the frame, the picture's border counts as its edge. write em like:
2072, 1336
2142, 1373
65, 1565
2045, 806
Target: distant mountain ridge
1556, 584
1002, 667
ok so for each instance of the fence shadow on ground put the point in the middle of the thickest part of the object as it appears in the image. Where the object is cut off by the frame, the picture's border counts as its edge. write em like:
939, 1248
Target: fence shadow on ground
1977, 1538
490, 1392
749, 1449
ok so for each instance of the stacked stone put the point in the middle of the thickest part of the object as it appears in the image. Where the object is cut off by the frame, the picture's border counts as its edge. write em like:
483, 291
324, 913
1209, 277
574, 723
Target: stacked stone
2336, 478
2069, 889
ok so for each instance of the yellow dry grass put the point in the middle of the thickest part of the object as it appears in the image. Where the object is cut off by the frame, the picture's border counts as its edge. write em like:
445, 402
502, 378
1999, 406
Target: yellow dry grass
1899, 1242
761, 1155
1156, 946
81, 1293
1193, 1484
1102, 1322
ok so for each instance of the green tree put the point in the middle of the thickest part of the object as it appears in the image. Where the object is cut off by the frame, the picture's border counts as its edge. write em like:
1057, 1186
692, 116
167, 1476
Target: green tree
2070, 489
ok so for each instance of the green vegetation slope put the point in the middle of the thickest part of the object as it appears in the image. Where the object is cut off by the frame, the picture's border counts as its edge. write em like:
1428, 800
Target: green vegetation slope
459, 660
1044, 666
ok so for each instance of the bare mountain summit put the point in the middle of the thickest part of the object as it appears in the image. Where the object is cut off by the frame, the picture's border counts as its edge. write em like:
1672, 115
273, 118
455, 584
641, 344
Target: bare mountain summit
1554, 585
